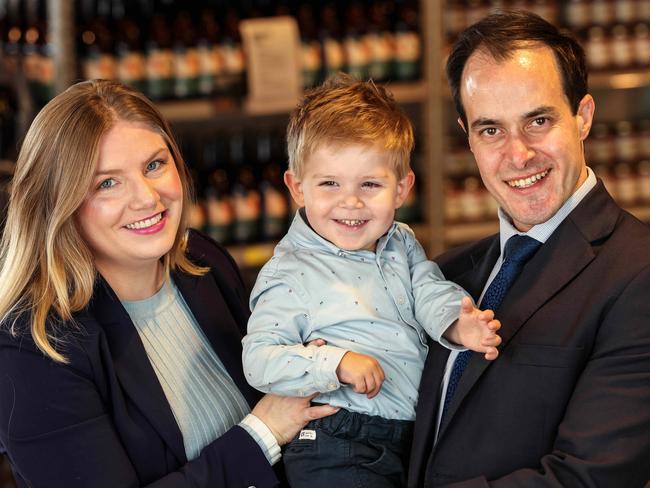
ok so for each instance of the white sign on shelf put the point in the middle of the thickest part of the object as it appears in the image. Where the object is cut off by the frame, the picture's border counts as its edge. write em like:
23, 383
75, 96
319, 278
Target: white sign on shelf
272, 47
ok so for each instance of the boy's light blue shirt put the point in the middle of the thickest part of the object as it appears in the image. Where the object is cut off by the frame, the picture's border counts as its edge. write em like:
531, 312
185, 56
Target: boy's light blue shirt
367, 302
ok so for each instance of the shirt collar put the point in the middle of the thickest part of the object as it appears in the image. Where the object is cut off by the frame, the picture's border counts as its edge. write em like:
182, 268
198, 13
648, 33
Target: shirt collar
541, 232
301, 234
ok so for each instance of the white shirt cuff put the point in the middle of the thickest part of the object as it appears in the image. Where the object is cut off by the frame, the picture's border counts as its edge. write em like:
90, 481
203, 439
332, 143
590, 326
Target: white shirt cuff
259, 431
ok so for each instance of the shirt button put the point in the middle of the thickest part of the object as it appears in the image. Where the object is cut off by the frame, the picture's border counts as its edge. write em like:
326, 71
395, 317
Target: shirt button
401, 300
331, 386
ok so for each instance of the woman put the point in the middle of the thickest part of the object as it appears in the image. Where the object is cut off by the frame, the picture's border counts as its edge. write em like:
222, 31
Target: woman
120, 354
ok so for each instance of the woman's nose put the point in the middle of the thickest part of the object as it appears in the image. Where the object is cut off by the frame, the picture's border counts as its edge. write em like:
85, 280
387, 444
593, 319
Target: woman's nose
144, 194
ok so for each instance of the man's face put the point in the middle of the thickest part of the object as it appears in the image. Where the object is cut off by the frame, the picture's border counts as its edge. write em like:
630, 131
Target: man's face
527, 143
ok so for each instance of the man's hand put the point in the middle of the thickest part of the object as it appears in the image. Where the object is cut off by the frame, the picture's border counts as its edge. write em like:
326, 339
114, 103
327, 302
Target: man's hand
362, 372
476, 330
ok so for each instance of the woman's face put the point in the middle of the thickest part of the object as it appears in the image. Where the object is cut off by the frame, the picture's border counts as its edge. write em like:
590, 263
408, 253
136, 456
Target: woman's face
132, 211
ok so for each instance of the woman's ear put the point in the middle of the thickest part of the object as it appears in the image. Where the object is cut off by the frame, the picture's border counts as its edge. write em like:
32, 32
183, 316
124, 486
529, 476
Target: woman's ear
295, 187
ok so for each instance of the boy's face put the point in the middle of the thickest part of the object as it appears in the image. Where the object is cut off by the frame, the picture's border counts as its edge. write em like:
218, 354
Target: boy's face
350, 194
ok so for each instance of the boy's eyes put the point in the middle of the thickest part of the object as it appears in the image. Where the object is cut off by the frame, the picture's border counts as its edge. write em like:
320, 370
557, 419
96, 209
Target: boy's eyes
370, 184
328, 183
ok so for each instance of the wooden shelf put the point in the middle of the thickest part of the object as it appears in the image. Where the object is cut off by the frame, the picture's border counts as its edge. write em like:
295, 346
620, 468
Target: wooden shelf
252, 255
227, 109
620, 80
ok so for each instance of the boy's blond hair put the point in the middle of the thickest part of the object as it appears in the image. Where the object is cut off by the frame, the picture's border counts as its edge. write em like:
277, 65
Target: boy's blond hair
344, 111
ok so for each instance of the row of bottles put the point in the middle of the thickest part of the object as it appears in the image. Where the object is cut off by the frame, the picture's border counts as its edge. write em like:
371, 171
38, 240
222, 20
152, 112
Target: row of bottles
24, 47
193, 48
577, 15
618, 47
622, 142
241, 196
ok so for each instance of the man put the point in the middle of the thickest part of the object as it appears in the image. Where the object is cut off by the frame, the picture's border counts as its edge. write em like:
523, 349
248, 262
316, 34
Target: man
567, 403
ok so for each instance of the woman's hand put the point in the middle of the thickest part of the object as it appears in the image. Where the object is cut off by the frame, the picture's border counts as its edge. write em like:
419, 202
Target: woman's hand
285, 416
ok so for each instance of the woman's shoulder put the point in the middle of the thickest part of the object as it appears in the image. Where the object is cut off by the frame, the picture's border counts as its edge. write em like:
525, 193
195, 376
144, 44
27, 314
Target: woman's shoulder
74, 339
205, 251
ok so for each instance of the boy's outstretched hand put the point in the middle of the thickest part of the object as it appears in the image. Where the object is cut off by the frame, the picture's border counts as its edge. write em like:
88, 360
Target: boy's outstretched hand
363, 373
476, 330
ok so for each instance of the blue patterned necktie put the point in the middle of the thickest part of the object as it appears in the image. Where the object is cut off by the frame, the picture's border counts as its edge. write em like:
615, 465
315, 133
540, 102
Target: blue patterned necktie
518, 250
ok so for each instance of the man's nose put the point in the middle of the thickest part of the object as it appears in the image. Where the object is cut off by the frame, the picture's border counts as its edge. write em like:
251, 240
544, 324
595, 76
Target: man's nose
518, 151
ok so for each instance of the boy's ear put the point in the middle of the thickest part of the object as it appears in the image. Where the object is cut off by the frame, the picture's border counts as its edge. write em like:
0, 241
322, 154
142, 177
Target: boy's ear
403, 188
295, 187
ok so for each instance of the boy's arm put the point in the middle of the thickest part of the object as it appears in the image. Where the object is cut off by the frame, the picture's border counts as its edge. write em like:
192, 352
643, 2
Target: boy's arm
436, 301
275, 357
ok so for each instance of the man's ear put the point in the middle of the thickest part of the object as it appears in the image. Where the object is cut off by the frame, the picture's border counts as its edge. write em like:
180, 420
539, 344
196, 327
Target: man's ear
462, 126
403, 188
295, 187
585, 115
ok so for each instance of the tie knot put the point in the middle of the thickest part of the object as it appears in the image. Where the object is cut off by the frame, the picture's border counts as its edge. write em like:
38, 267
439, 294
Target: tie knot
519, 249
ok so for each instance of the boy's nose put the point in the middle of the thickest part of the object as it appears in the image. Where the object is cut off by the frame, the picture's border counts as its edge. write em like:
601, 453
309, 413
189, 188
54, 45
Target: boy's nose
351, 201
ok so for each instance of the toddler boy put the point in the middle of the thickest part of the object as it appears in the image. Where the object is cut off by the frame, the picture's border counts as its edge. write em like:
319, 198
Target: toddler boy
345, 305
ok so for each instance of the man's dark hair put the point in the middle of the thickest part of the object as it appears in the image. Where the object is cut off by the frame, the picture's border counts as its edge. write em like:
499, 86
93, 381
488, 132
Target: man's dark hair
505, 31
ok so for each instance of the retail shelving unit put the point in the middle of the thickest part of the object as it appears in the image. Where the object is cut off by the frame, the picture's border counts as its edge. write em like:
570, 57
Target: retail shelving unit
429, 97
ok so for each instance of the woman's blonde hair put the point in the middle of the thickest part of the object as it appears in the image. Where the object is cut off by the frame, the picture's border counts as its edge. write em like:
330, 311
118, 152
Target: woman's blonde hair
343, 111
46, 268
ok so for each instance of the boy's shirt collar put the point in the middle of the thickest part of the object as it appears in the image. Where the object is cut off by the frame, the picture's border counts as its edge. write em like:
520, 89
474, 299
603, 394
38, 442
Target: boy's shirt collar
303, 235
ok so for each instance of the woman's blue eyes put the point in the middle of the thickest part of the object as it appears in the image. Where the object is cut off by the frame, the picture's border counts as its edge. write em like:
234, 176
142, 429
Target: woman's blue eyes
154, 165
108, 183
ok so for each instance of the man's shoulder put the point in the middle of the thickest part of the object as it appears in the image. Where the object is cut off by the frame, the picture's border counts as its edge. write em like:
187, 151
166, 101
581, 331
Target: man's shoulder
465, 255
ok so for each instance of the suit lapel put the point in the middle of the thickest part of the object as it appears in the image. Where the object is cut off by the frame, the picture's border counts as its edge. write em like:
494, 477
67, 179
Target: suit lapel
569, 249
132, 366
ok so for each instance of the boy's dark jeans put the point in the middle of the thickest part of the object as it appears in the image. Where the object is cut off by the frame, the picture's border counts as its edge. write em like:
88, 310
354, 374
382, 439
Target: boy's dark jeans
349, 450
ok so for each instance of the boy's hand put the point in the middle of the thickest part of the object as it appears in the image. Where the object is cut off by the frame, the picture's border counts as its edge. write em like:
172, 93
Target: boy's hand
476, 330
362, 372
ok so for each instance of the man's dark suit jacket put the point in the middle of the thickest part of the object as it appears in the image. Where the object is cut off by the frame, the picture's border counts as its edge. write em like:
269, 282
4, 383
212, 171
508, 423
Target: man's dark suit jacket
103, 420
567, 403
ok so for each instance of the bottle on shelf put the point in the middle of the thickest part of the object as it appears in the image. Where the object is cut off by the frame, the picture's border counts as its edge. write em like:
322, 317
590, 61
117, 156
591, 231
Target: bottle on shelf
621, 50
211, 64
408, 43
159, 54
37, 53
186, 56
97, 41
641, 45
247, 202
330, 37
357, 56
602, 12
275, 203
643, 170
380, 42
311, 52
131, 62
232, 52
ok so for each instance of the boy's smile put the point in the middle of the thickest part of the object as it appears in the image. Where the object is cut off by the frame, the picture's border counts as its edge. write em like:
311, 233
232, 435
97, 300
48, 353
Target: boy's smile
350, 194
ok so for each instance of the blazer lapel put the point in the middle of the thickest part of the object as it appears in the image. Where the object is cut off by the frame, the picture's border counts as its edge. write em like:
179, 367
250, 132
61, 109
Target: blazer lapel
132, 366
206, 300
566, 253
